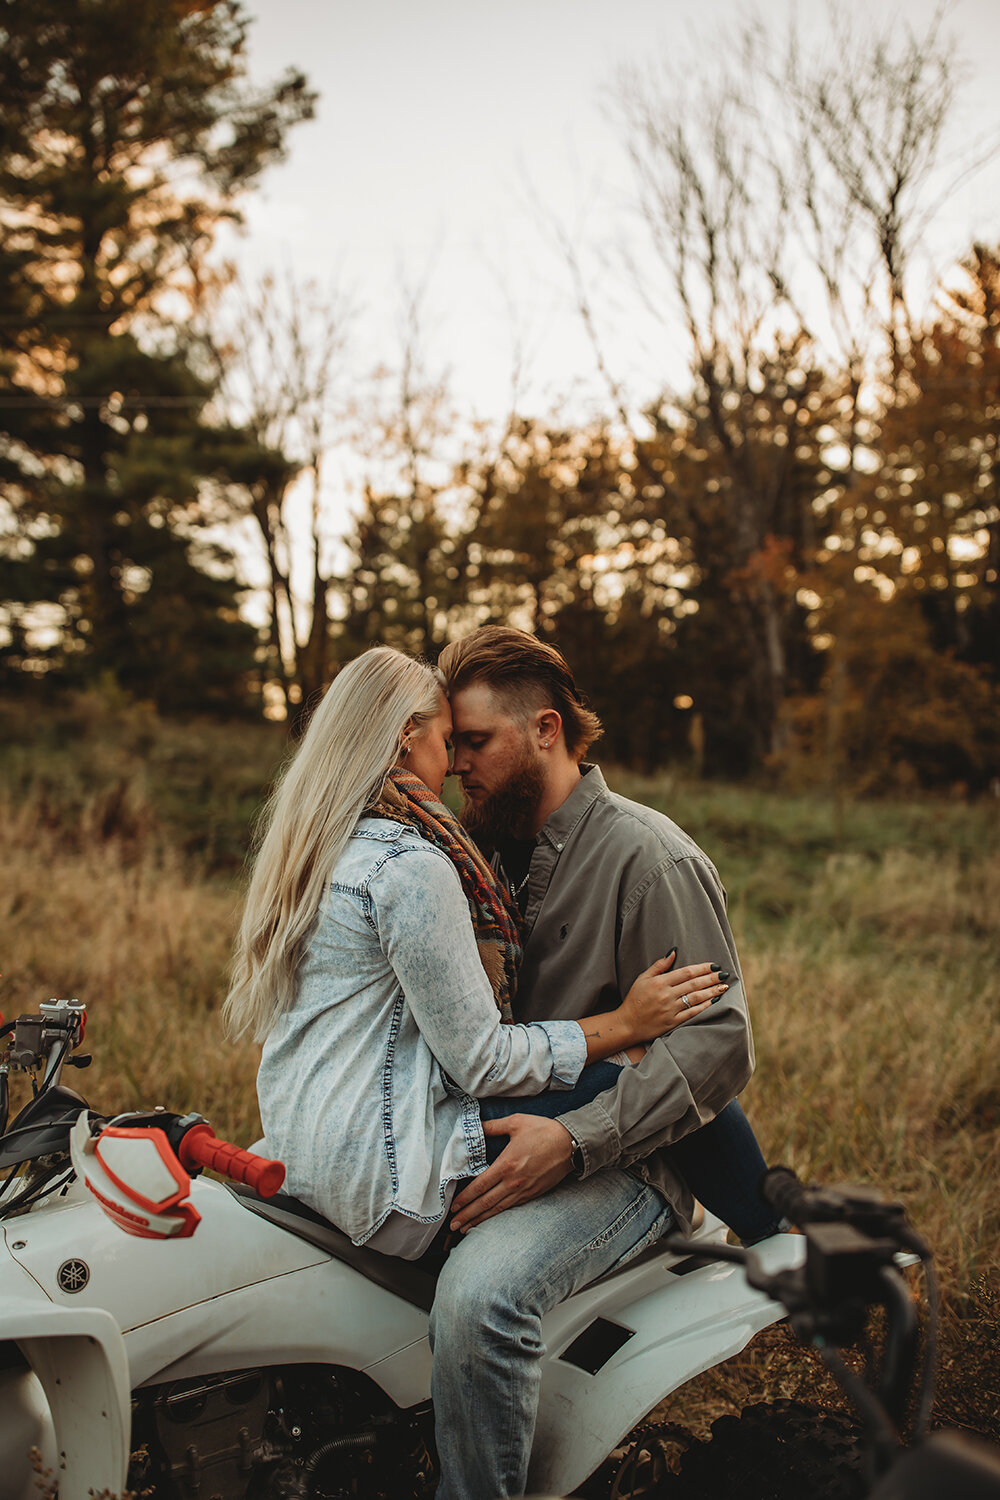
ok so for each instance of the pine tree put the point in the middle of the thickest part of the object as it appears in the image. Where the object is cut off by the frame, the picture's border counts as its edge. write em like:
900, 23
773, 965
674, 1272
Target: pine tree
128, 133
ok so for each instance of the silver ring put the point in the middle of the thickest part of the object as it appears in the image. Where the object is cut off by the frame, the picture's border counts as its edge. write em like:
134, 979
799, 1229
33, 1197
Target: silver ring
685, 1001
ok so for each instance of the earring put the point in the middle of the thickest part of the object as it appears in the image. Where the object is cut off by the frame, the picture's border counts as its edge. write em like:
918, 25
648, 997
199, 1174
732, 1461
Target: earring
404, 752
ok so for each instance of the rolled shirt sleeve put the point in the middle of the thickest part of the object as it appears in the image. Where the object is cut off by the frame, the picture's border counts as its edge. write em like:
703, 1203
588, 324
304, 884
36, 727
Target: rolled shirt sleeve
689, 1075
422, 918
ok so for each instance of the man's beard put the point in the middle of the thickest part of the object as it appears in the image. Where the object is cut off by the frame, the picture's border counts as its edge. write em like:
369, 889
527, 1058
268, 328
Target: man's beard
509, 811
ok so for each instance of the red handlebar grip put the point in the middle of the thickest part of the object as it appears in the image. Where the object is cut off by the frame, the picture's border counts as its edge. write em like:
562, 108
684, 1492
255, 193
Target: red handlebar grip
200, 1147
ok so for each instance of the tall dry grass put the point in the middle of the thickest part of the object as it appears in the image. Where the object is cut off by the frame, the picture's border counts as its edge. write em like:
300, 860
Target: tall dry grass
878, 1031
871, 944
870, 937
144, 939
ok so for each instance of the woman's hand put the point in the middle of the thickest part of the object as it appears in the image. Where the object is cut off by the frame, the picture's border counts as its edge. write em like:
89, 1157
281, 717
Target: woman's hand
662, 998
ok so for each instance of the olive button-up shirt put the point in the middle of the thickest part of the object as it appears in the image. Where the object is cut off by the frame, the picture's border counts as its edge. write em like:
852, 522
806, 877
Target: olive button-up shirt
612, 886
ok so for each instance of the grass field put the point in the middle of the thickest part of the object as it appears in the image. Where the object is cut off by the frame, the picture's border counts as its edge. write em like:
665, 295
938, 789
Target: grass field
870, 935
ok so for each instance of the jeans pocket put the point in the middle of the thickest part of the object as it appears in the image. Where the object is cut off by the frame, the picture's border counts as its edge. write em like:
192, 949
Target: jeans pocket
649, 1203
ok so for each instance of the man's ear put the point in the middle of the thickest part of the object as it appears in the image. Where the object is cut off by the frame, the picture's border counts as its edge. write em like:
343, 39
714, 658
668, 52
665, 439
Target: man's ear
549, 723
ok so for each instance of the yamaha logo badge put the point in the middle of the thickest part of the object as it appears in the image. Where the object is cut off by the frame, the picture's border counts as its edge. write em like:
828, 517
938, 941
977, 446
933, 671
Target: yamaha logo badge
73, 1275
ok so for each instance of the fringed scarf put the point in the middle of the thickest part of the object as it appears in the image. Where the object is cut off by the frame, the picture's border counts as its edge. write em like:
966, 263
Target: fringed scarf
406, 799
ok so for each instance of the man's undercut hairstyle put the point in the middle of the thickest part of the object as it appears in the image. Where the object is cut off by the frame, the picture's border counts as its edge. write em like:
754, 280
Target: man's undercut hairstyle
525, 675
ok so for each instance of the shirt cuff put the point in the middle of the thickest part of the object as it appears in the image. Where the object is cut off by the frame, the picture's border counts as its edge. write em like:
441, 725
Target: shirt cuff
569, 1052
595, 1134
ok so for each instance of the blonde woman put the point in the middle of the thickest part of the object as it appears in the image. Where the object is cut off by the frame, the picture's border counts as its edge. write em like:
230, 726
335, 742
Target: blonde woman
376, 962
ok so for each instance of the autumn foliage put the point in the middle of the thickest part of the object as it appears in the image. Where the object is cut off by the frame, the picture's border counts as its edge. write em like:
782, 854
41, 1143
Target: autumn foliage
786, 564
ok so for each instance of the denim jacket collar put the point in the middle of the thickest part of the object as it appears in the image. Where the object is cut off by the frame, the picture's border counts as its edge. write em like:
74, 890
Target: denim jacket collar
382, 830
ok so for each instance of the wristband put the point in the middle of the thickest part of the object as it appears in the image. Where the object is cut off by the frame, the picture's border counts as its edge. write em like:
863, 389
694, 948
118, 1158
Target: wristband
577, 1165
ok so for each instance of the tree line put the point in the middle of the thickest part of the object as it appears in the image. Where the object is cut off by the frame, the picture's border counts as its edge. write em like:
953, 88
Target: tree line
789, 560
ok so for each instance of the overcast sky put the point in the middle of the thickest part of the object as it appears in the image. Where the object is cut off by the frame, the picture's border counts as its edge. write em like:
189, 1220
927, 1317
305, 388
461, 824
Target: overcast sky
437, 121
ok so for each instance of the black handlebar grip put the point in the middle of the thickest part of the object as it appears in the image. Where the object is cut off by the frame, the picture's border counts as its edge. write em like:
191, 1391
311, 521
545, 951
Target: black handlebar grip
780, 1187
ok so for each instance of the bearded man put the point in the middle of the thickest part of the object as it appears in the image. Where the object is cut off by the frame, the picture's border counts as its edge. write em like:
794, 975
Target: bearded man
605, 887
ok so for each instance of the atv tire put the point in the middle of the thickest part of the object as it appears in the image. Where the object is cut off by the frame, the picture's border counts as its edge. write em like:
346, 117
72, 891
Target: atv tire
778, 1450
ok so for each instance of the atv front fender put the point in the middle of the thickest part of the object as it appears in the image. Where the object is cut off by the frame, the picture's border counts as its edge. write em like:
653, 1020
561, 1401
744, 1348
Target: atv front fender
72, 1400
610, 1359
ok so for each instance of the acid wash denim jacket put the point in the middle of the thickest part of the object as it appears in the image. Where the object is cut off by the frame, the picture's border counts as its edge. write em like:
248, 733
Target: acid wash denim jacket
368, 1081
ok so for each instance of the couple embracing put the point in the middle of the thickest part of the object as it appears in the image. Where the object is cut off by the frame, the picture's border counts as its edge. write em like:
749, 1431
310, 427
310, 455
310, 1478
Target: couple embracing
509, 1044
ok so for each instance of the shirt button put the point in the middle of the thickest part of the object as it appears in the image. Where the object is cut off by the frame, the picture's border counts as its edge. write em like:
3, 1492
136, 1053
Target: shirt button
559, 846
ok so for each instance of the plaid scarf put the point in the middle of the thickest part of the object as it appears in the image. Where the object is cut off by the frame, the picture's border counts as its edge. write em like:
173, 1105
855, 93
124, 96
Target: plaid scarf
405, 799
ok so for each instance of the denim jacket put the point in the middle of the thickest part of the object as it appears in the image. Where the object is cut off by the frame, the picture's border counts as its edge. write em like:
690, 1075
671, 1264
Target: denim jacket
368, 1081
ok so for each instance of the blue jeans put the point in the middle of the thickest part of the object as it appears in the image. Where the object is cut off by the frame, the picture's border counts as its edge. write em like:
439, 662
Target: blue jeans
486, 1321
721, 1163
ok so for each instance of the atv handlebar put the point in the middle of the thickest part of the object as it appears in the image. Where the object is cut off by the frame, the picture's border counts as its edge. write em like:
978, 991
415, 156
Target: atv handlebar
853, 1241
861, 1207
200, 1147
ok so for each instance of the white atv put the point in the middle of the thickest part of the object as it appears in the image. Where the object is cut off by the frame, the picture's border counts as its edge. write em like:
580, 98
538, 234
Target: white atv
235, 1343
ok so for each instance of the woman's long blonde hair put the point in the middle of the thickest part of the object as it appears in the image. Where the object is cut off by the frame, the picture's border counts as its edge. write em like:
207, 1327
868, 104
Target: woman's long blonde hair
355, 735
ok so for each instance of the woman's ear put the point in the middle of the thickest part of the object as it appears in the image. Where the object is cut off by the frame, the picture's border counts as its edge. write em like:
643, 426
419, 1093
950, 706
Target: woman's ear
408, 730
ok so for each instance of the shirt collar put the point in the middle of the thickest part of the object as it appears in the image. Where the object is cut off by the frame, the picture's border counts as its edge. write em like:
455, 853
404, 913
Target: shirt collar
560, 824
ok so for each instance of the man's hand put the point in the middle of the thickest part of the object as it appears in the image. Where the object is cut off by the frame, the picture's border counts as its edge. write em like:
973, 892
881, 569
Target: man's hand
536, 1158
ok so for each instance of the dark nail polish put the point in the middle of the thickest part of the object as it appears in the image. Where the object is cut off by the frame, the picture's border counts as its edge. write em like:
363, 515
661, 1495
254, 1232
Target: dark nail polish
670, 951
723, 975
715, 967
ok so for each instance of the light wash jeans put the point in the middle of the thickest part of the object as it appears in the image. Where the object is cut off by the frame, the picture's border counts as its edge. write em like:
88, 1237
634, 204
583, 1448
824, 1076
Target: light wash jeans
486, 1321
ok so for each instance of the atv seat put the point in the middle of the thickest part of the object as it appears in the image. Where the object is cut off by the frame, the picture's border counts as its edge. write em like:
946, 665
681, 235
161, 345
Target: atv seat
408, 1279
415, 1281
